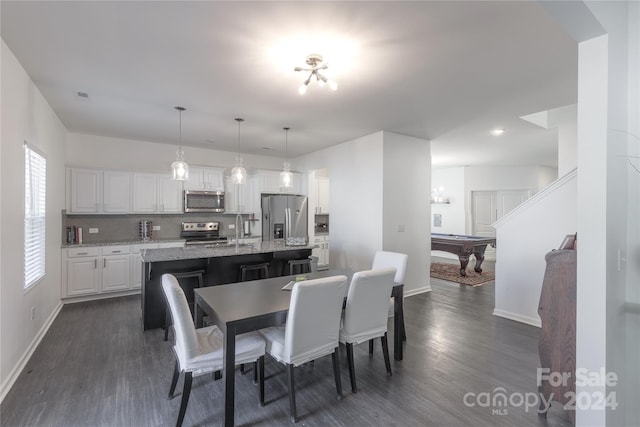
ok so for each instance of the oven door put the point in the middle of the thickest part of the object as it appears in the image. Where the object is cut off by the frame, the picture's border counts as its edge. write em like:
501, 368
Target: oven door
203, 201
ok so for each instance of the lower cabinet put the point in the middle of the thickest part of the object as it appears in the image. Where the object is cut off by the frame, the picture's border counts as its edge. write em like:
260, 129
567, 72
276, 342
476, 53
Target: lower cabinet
322, 251
97, 270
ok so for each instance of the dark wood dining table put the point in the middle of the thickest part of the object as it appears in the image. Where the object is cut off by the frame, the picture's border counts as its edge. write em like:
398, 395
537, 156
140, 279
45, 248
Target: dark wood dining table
242, 307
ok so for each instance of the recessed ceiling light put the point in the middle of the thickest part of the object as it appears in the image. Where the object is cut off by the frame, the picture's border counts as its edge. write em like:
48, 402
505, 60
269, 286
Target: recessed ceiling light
497, 131
267, 148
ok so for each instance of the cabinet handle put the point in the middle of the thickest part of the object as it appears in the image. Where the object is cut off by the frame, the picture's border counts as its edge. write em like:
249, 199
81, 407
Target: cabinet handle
104, 263
82, 253
95, 264
115, 252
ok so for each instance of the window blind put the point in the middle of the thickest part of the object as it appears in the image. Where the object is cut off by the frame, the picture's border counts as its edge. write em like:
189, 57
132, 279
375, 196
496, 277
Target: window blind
35, 192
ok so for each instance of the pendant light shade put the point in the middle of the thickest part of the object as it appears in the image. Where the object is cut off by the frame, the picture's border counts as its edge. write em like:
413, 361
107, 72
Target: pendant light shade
179, 168
239, 173
286, 178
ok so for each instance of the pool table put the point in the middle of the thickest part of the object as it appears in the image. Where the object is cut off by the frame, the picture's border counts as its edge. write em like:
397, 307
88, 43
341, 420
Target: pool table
463, 246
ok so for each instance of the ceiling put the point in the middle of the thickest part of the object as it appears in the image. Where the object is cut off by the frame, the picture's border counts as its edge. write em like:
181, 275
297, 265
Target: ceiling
442, 71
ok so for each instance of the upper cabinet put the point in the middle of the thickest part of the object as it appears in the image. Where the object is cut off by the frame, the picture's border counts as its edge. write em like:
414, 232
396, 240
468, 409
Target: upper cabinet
92, 191
96, 191
269, 182
145, 193
169, 194
322, 192
156, 193
205, 178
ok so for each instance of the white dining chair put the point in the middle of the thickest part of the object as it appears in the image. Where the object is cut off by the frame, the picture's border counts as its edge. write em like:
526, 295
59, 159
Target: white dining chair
383, 259
311, 330
365, 314
200, 351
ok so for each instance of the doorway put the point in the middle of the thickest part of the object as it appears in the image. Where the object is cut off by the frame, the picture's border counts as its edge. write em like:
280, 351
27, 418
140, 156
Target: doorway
489, 206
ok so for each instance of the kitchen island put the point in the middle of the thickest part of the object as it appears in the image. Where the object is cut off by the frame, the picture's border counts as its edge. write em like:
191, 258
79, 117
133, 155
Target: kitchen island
219, 264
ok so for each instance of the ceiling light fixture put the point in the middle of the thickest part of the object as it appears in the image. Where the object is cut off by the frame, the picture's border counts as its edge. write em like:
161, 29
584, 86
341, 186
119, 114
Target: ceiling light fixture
286, 178
315, 62
239, 173
180, 168
497, 131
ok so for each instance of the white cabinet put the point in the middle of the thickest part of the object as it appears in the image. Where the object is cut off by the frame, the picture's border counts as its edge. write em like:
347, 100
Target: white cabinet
322, 251
322, 195
145, 193
205, 178
82, 271
97, 191
84, 190
269, 182
96, 270
156, 193
116, 264
236, 198
116, 192
169, 195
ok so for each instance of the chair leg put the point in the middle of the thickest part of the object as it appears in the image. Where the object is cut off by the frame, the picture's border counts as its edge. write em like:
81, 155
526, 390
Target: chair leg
335, 358
186, 391
404, 333
217, 375
260, 370
352, 368
292, 393
242, 371
255, 372
371, 347
174, 380
385, 352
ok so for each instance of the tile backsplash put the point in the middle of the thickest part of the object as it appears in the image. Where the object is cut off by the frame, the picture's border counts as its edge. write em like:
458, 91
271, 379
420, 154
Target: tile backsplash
125, 227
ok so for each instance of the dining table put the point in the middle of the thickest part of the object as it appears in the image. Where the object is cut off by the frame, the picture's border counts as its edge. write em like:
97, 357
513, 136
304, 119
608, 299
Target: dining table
241, 307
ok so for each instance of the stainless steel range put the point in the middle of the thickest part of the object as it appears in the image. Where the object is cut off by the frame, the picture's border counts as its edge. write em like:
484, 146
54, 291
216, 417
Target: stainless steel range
202, 233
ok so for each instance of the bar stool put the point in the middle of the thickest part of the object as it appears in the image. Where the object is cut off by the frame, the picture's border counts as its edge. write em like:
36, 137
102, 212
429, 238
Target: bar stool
195, 274
261, 271
299, 266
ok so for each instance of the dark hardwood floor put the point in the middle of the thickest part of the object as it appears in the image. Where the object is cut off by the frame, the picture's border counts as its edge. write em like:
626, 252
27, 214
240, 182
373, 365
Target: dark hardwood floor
95, 367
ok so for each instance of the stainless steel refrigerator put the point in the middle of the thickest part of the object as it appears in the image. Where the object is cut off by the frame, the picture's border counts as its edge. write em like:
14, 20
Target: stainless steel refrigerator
284, 218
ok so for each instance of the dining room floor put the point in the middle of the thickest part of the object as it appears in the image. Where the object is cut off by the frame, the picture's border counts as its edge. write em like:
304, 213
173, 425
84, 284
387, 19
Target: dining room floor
95, 367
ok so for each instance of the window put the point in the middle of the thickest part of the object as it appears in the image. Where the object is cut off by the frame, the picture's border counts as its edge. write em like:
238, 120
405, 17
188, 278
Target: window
35, 186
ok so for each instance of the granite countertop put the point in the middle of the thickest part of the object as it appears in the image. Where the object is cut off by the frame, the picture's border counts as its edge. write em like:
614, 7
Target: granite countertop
197, 251
120, 242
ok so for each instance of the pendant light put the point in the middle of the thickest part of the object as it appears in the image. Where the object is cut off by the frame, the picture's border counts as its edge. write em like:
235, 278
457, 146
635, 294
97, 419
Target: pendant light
180, 168
239, 173
286, 178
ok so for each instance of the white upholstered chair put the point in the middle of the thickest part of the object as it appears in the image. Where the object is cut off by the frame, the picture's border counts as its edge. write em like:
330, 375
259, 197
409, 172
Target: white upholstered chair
200, 351
365, 314
311, 331
383, 259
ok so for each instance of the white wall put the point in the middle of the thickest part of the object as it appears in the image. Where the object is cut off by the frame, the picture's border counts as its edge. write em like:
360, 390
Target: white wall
489, 178
406, 205
359, 196
26, 116
453, 214
124, 154
526, 235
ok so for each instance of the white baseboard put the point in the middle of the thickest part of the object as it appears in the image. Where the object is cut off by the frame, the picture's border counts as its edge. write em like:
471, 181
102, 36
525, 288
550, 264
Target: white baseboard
417, 291
533, 321
85, 298
22, 362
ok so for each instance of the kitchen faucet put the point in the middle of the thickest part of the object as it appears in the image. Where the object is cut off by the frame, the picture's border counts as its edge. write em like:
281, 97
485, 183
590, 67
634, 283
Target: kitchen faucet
238, 225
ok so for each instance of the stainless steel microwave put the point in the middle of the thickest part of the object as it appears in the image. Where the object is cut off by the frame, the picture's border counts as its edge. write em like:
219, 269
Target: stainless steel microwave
203, 201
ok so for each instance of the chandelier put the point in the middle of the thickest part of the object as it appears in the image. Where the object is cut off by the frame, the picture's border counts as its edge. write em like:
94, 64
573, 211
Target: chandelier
314, 61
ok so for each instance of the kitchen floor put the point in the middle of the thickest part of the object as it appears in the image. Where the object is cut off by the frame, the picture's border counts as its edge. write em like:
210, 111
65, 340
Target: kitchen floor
95, 367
